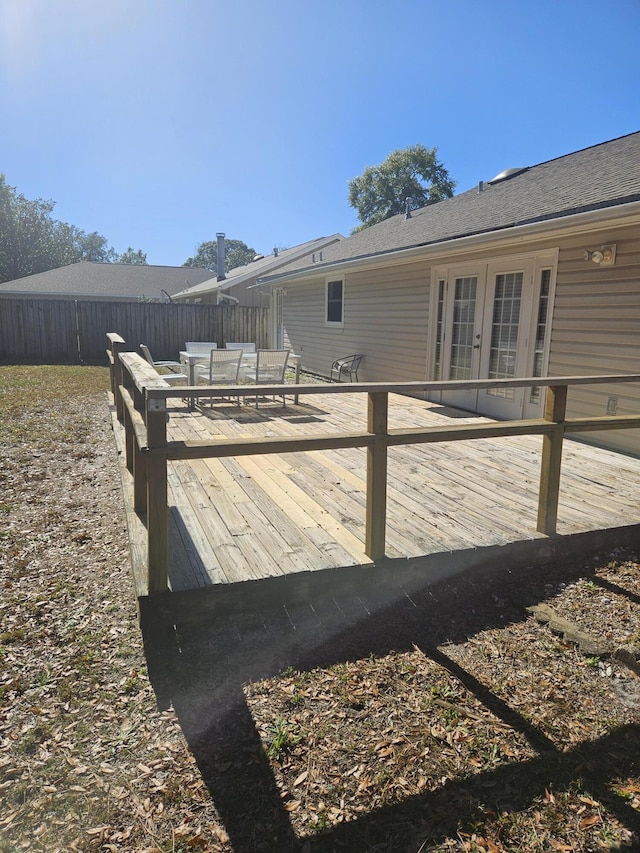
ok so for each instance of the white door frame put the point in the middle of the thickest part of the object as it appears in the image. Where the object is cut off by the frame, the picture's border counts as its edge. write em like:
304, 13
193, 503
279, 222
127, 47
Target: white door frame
455, 318
515, 403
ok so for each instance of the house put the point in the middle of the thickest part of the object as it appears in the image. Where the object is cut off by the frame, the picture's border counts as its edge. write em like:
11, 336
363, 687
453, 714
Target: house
534, 272
96, 281
237, 285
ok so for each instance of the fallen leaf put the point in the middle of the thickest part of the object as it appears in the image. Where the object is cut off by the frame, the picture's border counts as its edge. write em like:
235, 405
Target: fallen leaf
587, 822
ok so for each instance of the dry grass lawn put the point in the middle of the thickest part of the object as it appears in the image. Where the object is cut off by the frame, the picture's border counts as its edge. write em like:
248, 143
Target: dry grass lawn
452, 722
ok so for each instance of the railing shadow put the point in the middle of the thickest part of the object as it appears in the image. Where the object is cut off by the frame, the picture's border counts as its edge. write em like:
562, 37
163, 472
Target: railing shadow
201, 669
267, 410
617, 589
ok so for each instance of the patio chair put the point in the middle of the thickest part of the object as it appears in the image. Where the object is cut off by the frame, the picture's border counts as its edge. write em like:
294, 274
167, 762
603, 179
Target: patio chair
348, 365
271, 365
223, 369
246, 347
200, 346
171, 371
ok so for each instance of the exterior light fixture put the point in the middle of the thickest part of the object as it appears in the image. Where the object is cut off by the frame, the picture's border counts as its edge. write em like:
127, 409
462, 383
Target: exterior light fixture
604, 256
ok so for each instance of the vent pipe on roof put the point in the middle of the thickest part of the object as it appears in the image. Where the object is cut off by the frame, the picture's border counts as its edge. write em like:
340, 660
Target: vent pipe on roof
480, 186
275, 252
220, 262
407, 207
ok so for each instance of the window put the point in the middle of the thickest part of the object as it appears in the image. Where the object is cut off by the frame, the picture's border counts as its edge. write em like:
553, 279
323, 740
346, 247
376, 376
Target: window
504, 331
335, 301
464, 311
541, 332
437, 362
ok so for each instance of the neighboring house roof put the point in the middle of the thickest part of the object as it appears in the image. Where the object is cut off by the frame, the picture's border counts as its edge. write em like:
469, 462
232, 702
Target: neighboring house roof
106, 281
301, 254
603, 176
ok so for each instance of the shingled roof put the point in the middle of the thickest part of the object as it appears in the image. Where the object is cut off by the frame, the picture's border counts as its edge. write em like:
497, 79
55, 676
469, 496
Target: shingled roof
107, 281
605, 175
261, 266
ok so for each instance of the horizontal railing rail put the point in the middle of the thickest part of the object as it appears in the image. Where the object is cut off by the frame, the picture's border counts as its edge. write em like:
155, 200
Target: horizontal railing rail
142, 397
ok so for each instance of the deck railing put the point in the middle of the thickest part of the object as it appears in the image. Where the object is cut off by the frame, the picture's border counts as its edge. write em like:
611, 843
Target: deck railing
141, 398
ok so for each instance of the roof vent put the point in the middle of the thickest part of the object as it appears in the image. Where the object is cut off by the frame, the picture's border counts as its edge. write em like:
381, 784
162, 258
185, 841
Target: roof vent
275, 251
258, 257
508, 173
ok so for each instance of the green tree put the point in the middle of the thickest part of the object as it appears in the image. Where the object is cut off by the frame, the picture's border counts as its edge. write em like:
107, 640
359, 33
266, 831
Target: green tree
132, 257
93, 247
414, 172
236, 254
32, 241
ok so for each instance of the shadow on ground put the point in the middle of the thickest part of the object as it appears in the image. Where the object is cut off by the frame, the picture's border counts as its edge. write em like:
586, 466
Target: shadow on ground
201, 668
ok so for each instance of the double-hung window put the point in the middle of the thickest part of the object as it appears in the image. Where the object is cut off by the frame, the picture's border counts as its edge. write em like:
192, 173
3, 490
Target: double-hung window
334, 302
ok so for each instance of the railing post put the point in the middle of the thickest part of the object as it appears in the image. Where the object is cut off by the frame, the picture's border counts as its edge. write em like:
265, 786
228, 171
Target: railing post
555, 407
139, 460
129, 432
157, 510
376, 519
116, 377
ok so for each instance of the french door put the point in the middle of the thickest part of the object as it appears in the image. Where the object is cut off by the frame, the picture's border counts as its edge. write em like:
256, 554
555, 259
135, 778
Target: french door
487, 327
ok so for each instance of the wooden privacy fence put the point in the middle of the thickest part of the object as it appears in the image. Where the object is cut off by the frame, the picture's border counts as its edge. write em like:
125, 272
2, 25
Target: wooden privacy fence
141, 401
68, 331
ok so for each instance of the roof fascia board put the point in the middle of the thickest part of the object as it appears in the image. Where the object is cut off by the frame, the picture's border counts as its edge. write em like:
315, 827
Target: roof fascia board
589, 221
78, 297
300, 252
278, 260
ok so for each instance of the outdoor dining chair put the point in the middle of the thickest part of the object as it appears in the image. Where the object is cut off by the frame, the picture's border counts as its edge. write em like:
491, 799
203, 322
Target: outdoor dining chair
348, 365
246, 347
223, 369
270, 368
200, 346
171, 371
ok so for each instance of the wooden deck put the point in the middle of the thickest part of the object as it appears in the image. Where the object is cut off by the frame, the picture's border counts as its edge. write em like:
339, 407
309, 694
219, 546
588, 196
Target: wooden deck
252, 517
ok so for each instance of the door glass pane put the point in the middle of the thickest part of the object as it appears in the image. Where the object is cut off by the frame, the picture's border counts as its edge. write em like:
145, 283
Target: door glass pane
504, 331
541, 331
437, 361
464, 311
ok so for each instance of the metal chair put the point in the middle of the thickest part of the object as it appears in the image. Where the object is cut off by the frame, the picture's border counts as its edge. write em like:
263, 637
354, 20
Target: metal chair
171, 371
203, 347
348, 365
223, 369
246, 347
271, 365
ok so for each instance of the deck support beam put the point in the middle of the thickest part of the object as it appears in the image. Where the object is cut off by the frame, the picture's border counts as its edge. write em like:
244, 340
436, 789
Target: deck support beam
555, 408
376, 516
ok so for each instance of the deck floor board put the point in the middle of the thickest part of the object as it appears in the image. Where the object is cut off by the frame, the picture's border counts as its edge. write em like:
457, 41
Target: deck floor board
249, 517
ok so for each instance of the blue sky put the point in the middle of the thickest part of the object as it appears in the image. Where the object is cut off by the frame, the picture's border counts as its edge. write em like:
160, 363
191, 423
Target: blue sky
158, 123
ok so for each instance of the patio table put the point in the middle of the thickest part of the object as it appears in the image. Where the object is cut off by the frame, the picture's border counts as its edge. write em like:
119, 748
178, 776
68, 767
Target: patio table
191, 359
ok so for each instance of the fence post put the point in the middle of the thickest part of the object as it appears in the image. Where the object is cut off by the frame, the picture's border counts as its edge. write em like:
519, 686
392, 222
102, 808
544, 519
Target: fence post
376, 518
555, 407
157, 510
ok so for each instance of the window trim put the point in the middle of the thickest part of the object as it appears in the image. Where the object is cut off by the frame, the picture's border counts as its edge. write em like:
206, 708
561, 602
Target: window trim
333, 280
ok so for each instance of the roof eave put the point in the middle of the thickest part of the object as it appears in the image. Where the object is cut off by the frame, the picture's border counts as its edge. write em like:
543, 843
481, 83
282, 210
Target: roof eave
517, 234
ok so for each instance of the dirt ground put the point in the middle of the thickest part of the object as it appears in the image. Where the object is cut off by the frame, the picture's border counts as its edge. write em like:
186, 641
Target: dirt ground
456, 720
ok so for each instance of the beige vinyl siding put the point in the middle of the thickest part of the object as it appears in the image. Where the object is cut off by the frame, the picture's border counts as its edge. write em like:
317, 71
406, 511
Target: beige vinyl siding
244, 292
386, 317
249, 295
596, 329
